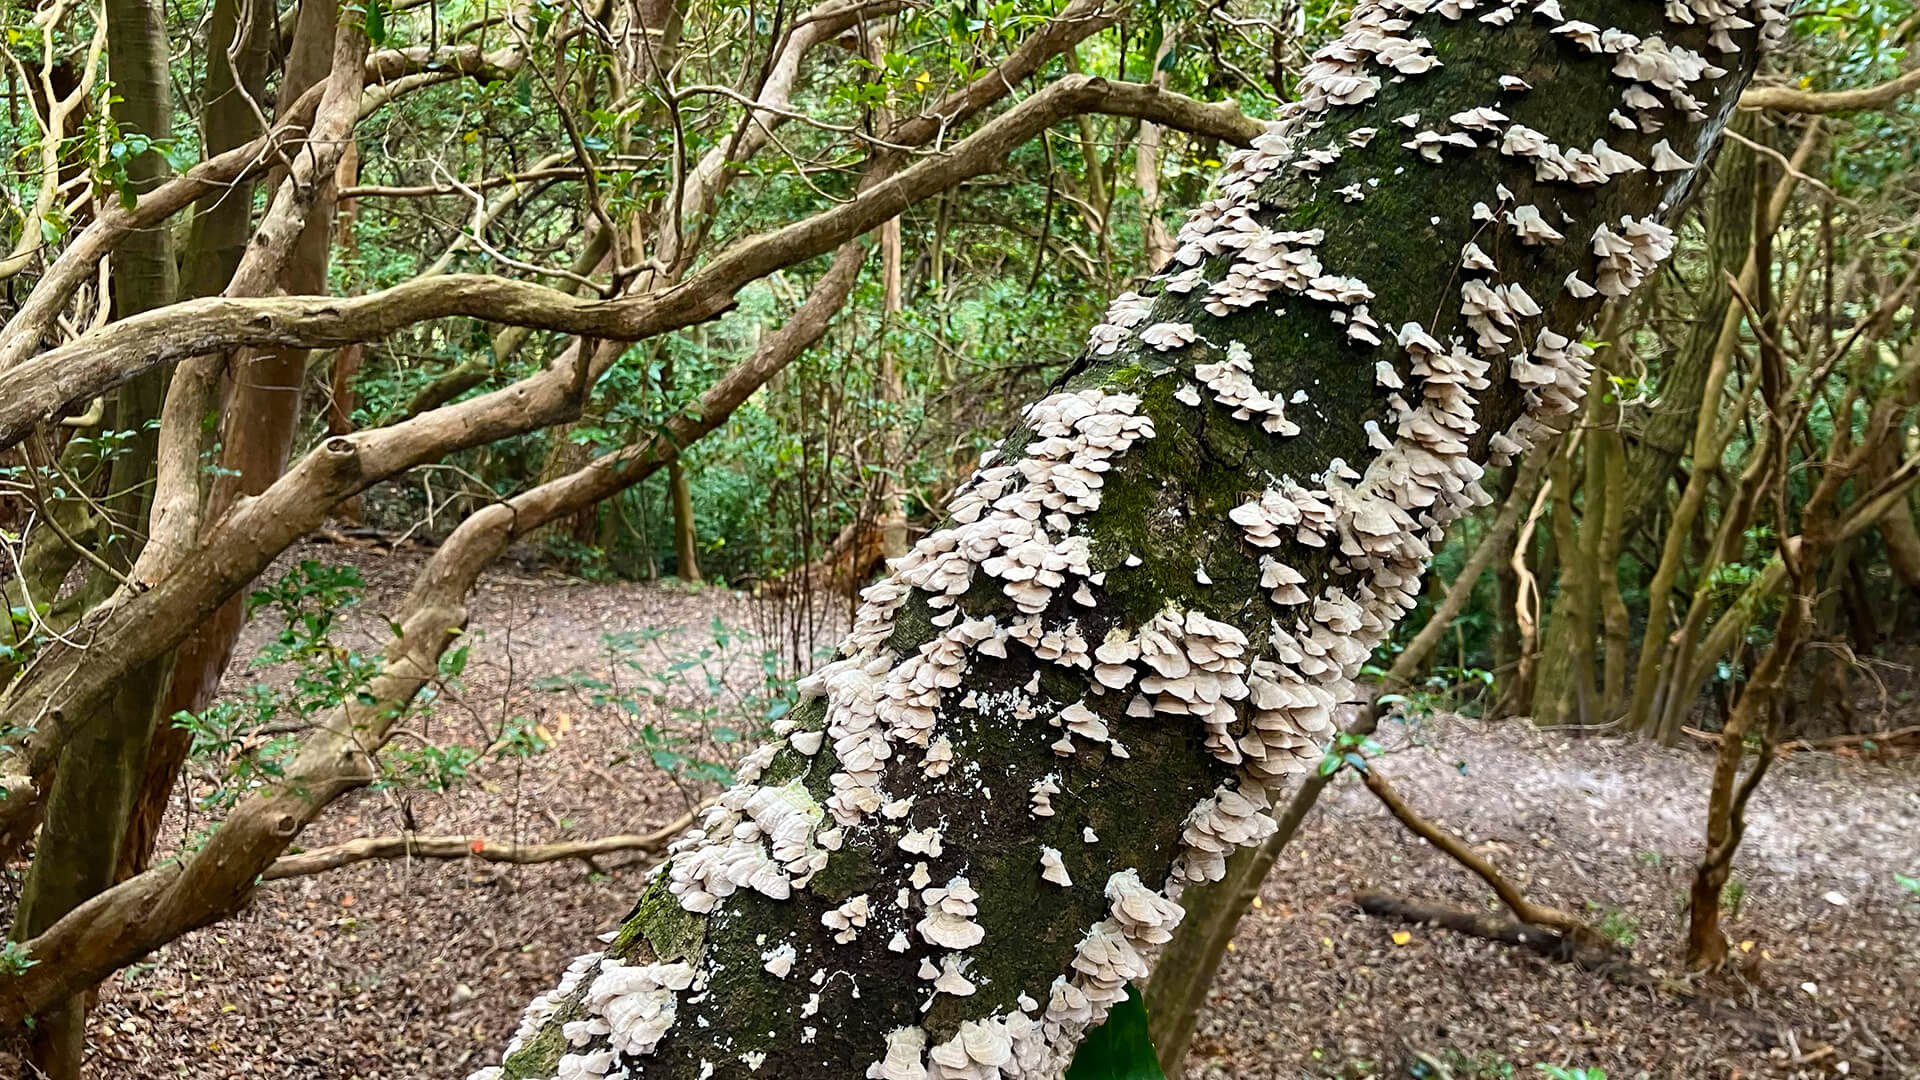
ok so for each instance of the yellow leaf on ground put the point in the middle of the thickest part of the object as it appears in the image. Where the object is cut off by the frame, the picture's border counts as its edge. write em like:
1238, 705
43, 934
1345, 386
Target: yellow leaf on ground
1401, 937
1746, 946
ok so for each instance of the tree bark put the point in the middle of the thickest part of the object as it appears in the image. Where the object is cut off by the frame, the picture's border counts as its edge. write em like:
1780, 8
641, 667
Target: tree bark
98, 774
1132, 520
1189, 963
262, 400
236, 75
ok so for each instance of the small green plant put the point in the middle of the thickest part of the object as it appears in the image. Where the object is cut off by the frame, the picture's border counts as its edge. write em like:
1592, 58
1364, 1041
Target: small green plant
1619, 927
248, 738
1447, 688
1733, 896
1349, 749
14, 958
1562, 1072
1648, 858
688, 712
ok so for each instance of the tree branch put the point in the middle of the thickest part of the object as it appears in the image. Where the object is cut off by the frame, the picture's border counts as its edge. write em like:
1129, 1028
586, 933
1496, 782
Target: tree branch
52, 382
1820, 102
1453, 847
158, 905
512, 852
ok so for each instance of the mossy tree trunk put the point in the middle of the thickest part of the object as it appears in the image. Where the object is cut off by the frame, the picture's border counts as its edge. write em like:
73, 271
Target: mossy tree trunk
1178, 990
972, 825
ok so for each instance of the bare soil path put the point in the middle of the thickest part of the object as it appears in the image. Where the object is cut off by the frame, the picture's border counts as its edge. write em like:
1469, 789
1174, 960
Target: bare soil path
410, 969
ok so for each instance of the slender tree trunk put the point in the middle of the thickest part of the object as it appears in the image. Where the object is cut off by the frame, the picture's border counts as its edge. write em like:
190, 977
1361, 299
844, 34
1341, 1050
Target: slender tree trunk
1146, 172
1616, 624
996, 869
1191, 960
263, 400
1557, 688
346, 360
686, 536
686, 540
97, 778
892, 518
1526, 610
1897, 529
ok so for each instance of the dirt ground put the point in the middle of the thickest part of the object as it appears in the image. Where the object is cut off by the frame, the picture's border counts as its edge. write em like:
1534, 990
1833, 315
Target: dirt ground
408, 969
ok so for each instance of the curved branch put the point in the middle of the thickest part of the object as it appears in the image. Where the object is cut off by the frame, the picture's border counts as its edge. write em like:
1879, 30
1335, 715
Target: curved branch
1820, 102
76, 265
52, 382
152, 908
1456, 849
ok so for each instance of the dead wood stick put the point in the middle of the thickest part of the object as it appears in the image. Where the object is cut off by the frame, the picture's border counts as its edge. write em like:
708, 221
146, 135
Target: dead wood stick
334, 856
1510, 895
1548, 943
1831, 742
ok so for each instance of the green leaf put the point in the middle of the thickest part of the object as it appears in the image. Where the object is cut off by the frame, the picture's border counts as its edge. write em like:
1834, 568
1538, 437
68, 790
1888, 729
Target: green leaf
1120, 1048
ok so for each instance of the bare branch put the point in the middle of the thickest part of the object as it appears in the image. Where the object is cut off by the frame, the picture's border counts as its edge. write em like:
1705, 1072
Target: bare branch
52, 382
1794, 100
409, 846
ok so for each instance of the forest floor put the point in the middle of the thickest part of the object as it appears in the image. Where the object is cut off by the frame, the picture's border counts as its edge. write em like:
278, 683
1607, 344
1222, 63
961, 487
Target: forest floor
411, 969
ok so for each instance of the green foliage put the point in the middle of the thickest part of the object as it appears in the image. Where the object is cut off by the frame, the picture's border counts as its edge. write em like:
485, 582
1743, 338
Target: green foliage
1561, 1072
688, 709
1349, 751
15, 958
1120, 1048
249, 736
1733, 895
1619, 927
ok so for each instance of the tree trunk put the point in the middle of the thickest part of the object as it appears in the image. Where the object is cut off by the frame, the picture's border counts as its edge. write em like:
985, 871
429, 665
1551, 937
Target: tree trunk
1146, 171
98, 774
1557, 688
263, 400
1188, 964
1009, 789
891, 521
686, 539
346, 360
